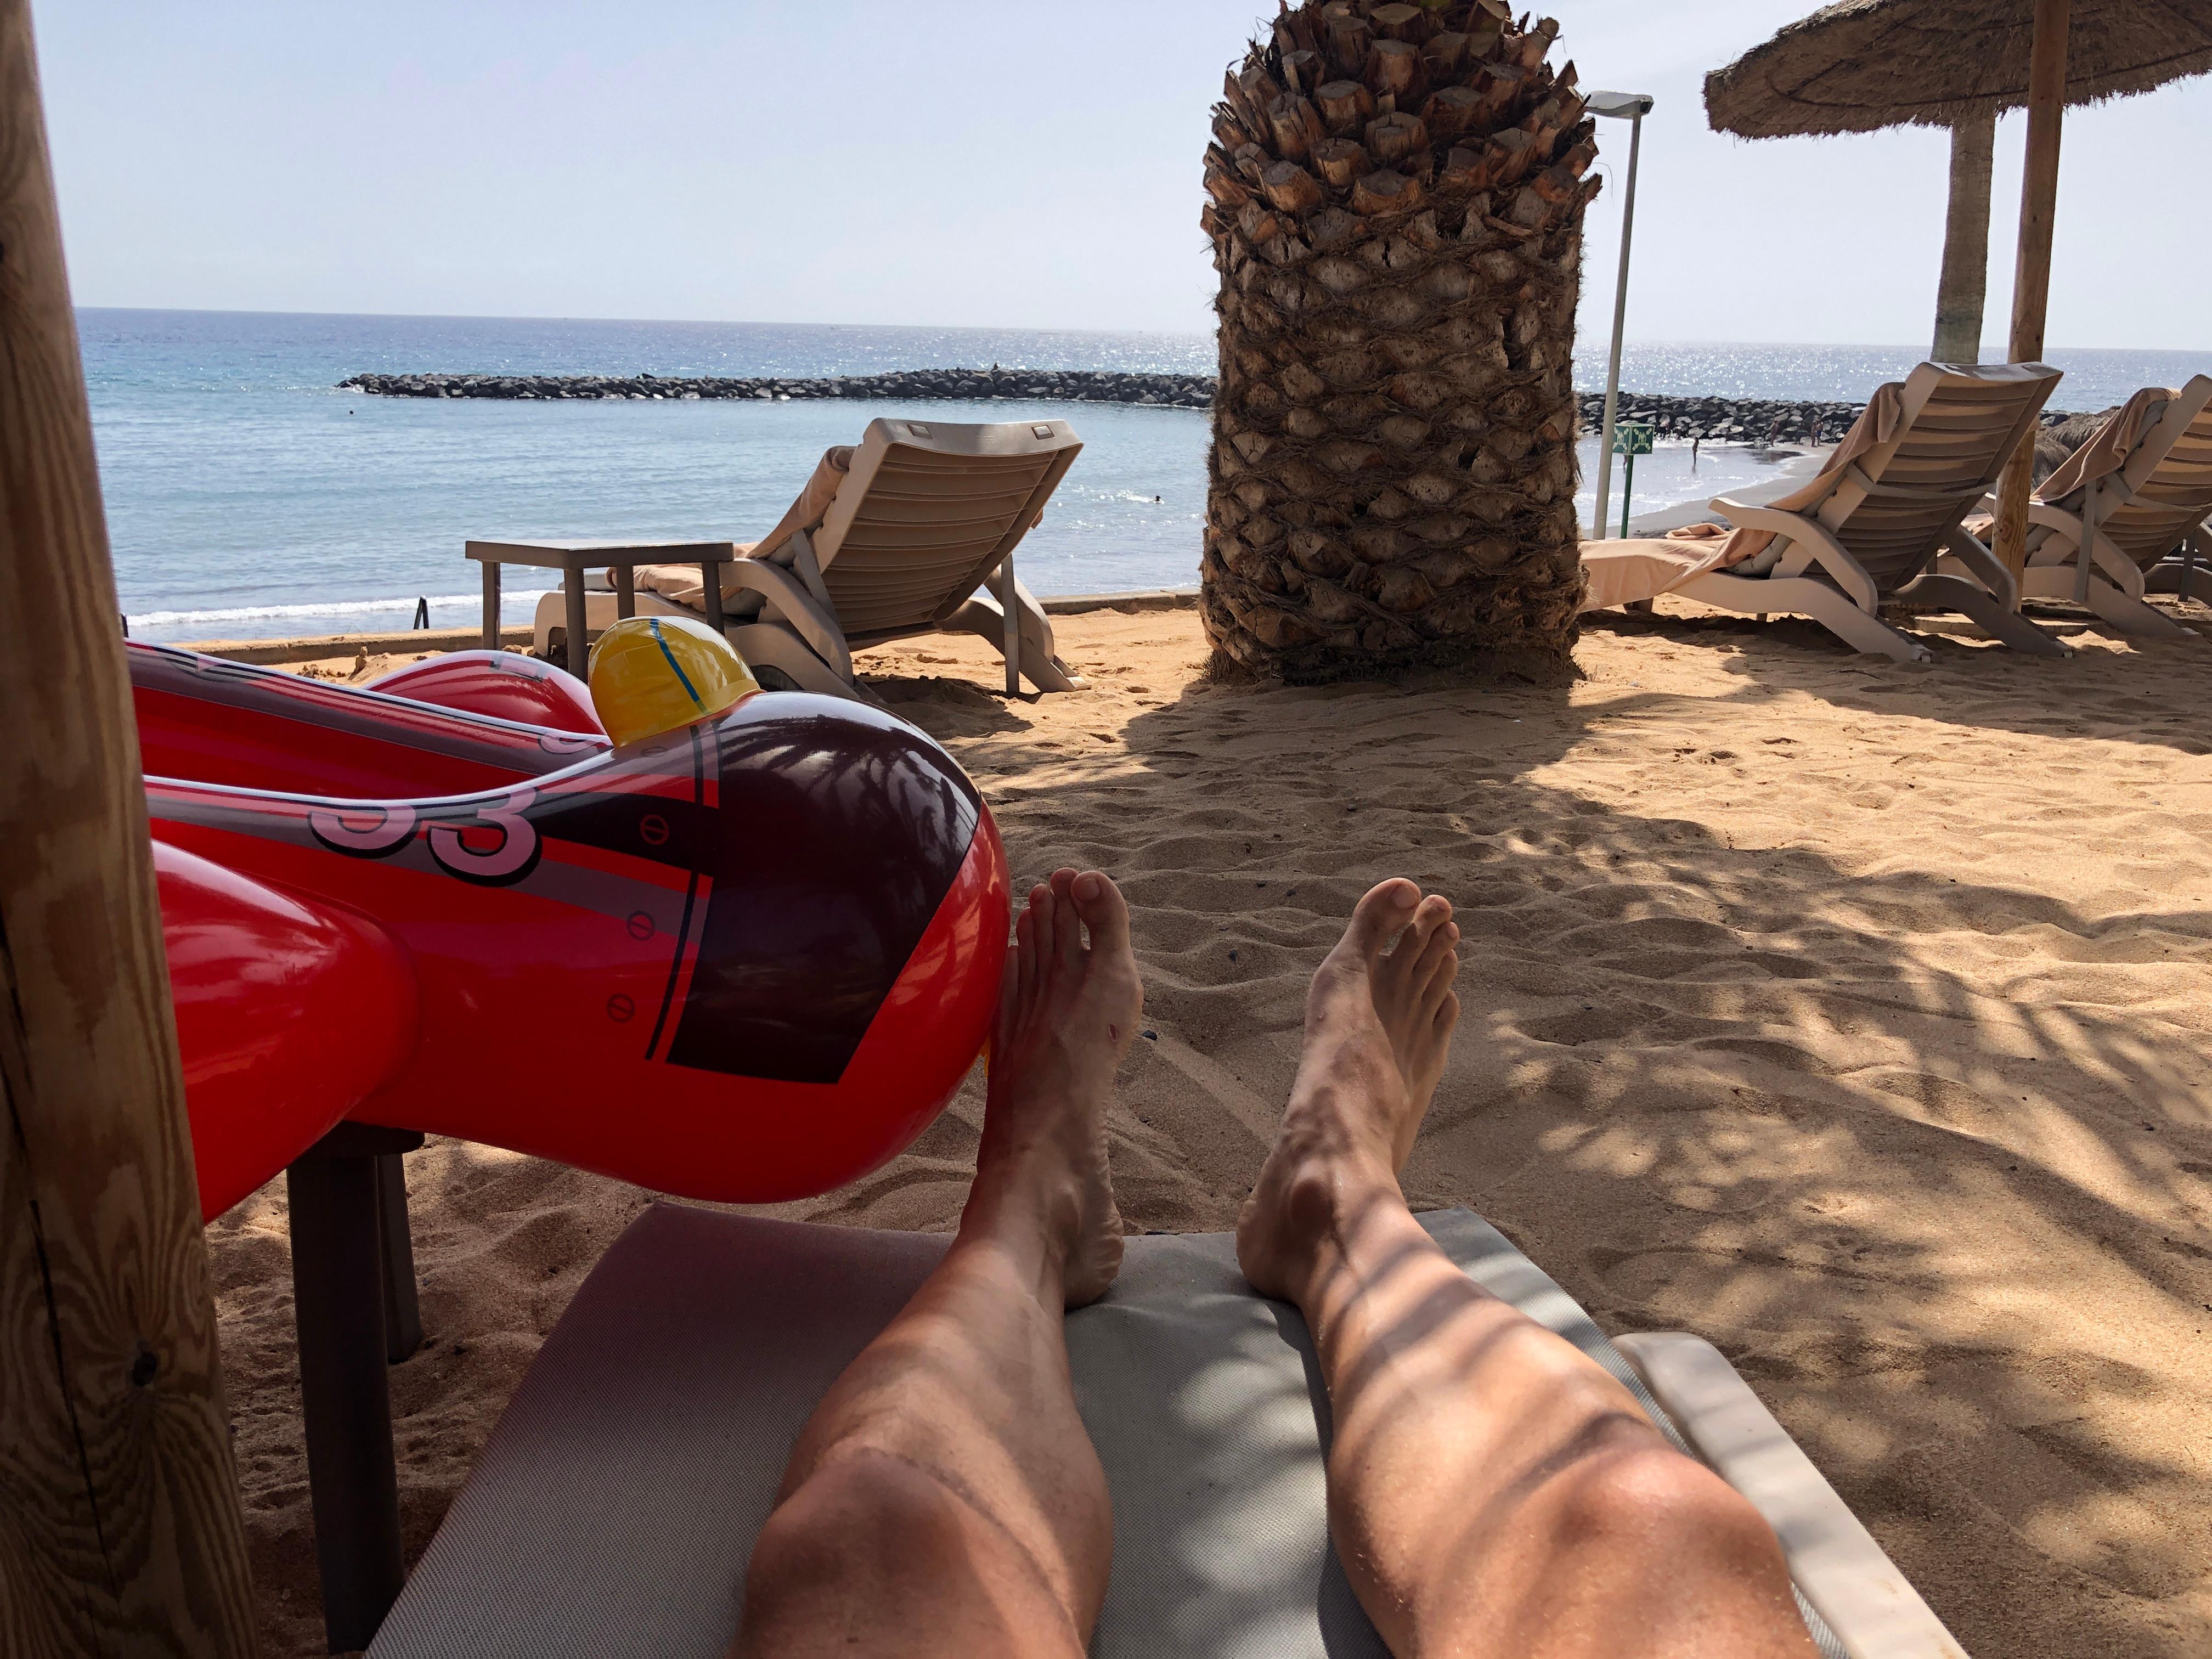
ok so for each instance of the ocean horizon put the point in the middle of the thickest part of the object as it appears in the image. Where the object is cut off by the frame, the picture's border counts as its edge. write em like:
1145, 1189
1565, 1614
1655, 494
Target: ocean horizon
248, 497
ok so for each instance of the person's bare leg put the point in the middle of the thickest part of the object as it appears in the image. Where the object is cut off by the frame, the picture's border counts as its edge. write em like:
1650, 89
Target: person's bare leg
1491, 1491
944, 1498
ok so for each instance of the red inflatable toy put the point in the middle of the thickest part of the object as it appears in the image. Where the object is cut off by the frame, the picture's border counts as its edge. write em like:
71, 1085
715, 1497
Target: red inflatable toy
500, 684
215, 721
748, 960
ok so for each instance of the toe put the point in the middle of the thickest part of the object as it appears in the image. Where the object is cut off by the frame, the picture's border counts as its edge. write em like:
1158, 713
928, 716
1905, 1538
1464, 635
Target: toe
1104, 912
1046, 910
1433, 912
1380, 915
1436, 976
1429, 917
1437, 956
1067, 928
1447, 1015
1026, 956
1010, 1001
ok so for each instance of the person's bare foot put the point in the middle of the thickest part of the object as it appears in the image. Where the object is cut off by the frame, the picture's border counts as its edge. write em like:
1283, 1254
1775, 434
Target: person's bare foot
1378, 1027
1068, 1014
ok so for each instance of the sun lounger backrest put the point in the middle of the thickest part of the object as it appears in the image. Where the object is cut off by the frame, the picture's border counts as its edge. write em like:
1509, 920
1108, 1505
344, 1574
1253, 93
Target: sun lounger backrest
928, 511
2169, 477
1958, 426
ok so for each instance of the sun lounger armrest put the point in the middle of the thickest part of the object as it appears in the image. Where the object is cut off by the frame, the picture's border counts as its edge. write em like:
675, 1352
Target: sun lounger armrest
783, 590
1837, 1565
1816, 546
2119, 569
1988, 569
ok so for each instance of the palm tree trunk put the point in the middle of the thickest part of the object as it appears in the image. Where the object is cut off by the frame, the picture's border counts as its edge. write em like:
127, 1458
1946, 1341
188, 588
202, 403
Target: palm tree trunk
1961, 291
1397, 196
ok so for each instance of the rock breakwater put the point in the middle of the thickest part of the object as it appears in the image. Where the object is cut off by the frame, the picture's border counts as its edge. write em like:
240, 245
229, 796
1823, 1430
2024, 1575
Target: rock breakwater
1727, 420
1058, 385
1755, 421
1759, 421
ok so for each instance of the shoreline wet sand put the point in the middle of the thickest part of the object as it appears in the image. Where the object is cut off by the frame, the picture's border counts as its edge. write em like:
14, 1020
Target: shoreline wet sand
1851, 1014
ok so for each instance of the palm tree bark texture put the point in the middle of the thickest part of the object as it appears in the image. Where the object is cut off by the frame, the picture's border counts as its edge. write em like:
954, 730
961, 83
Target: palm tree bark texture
1397, 194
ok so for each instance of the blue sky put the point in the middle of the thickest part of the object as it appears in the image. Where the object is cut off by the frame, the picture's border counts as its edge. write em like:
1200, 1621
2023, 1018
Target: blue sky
986, 162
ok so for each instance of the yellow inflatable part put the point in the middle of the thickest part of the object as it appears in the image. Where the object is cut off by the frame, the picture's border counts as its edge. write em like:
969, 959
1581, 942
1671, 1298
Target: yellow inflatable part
654, 674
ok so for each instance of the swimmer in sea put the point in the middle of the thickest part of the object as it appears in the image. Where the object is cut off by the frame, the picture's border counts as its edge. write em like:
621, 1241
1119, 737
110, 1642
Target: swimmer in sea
1491, 1491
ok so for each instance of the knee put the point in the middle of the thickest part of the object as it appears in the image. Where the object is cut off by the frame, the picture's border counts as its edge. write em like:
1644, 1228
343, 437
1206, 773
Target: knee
1638, 1496
860, 1515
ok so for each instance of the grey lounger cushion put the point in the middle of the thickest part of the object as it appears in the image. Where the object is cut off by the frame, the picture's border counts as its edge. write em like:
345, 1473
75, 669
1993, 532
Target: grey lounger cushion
615, 1507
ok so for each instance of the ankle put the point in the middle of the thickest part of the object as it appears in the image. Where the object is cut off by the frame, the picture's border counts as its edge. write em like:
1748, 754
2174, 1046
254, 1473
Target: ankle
1333, 1121
1319, 1202
1020, 1253
1032, 1230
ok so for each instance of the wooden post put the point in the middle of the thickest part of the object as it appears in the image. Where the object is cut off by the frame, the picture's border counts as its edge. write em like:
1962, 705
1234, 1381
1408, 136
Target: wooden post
120, 1530
491, 605
1964, 282
2031, 282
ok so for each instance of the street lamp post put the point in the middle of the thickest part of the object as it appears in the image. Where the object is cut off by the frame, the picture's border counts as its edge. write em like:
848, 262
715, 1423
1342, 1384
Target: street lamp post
1632, 108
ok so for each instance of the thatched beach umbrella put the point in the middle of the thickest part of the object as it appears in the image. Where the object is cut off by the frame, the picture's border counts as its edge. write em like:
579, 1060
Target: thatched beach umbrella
1863, 65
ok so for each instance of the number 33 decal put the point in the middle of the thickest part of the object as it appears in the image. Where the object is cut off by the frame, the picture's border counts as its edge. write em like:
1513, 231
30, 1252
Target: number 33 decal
380, 832
513, 858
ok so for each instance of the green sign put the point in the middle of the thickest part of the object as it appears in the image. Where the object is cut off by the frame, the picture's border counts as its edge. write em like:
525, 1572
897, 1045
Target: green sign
1632, 438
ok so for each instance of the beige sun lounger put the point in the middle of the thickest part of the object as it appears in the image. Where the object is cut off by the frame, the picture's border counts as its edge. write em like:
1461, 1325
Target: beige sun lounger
1868, 529
616, 1503
890, 538
2145, 482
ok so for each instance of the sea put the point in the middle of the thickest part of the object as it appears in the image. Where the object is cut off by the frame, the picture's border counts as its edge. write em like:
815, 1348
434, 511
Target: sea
249, 498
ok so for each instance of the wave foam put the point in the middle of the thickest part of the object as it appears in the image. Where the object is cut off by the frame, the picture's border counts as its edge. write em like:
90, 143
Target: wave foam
439, 602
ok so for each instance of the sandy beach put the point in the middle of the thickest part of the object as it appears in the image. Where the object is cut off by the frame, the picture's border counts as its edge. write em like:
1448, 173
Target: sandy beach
1853, 1015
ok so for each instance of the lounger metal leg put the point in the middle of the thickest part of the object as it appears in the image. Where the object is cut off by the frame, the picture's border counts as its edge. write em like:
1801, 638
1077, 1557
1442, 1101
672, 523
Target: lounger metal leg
1987, 613
2082, 561
985, 617
1803, 596
2132, 615
338, 1291
1012, 643
491, 605
403, 1308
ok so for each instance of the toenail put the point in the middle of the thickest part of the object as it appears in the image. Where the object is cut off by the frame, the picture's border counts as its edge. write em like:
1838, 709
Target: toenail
1086, 887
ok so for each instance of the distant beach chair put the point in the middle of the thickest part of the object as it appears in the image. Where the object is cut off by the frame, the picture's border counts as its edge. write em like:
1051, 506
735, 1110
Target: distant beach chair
615, 1509
1868, 529
891, 537
2143, 481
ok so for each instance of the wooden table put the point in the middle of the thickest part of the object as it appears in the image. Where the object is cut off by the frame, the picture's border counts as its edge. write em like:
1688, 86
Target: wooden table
573, 558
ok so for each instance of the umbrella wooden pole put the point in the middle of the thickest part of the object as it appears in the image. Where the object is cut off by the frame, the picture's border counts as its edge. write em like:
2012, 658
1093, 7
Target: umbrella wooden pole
1964, 282
120, 1530
2031, 295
